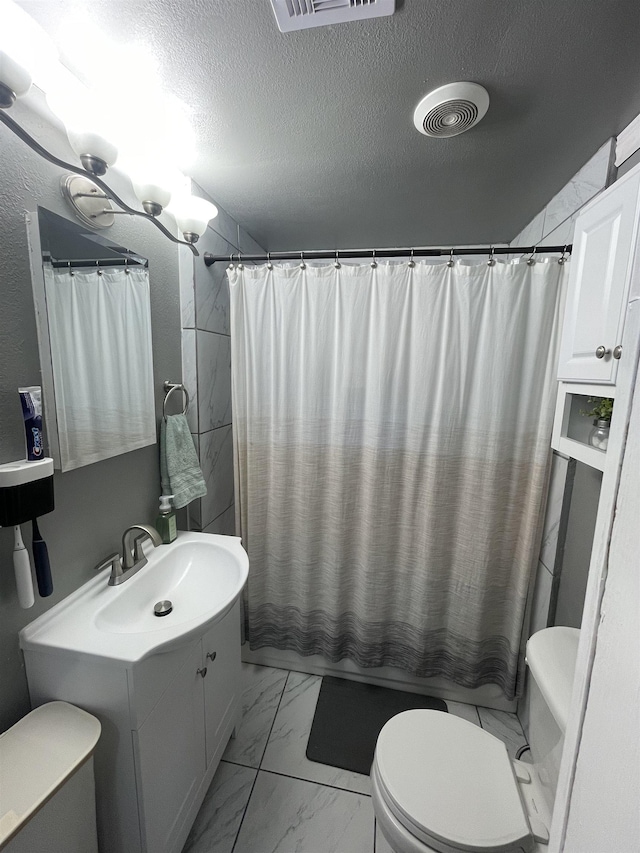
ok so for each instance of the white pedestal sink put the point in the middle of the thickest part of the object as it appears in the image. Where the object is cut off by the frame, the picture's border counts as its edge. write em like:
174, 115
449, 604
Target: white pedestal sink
165, 688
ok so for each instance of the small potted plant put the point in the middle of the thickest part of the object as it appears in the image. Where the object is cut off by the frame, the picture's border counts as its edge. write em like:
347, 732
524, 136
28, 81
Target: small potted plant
601, 413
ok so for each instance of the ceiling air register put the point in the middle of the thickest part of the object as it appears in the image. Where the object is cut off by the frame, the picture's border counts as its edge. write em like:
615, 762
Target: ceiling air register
302, 14
451, 109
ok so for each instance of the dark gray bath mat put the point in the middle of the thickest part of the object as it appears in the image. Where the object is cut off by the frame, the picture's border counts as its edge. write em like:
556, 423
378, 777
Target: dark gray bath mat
348, 719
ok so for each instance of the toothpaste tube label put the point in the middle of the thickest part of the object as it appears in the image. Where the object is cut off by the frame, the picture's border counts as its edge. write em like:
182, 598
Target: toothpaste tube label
31, 399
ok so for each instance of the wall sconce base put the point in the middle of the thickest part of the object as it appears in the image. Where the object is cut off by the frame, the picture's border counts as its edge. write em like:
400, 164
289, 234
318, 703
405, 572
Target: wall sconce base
89, 202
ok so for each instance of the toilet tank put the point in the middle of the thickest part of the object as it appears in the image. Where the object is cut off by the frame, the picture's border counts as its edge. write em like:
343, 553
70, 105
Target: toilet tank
551, 657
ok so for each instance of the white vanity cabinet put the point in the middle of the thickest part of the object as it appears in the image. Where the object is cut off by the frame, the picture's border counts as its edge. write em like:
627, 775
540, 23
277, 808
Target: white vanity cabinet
166, 720
602, 261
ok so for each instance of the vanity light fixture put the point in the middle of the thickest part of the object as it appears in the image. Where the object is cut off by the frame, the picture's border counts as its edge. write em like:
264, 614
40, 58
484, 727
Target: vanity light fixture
26, 52
192, 215
28, 55
96, 181
15, 81
154, 185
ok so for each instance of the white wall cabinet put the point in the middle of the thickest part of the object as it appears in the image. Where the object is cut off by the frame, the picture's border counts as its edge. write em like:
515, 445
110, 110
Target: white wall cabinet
601, 266
165, 723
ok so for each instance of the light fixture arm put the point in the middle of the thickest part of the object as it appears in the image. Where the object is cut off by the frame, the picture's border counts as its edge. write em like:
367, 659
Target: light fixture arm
46, 155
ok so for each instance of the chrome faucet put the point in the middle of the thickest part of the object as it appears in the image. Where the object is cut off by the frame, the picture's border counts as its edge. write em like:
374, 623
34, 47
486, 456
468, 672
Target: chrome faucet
133, 558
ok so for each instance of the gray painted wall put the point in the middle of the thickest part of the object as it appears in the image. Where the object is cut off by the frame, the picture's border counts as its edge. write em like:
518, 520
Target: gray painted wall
581, 525
96, 503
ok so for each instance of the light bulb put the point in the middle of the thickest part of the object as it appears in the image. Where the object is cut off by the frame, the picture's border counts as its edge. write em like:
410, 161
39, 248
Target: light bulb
15, 80
88, 122
26, 53
154, 184
192, 215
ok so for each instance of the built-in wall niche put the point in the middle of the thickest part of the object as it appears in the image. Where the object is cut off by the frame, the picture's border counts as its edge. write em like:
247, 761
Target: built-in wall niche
572, 426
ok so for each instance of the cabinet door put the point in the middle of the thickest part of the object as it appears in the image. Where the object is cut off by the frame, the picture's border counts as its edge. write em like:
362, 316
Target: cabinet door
221, 647
599, 284
169, 756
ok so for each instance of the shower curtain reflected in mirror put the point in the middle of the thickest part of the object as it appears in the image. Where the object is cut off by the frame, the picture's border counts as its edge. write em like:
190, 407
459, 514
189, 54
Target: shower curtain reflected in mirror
392, 443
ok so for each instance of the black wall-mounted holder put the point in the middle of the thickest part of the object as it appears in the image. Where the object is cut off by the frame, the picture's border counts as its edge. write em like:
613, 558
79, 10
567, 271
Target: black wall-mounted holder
26, 491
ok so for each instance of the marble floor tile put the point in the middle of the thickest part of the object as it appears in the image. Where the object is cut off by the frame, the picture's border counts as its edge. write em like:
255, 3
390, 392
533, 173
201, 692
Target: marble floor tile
262, 690
287, 745
294, 816
467, 712
382, 845
504, 726
218, 820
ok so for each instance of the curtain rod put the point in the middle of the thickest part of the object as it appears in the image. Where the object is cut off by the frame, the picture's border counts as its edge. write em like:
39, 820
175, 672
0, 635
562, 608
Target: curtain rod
97, 262
238, 257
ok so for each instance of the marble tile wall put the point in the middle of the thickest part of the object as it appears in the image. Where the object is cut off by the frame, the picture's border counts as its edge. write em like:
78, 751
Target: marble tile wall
206, 366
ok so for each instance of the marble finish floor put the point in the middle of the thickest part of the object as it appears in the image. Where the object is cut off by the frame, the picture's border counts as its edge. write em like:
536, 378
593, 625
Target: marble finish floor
267, 797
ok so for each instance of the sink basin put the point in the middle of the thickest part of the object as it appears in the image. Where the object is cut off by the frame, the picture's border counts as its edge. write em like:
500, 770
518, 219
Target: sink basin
201, 574
198, 578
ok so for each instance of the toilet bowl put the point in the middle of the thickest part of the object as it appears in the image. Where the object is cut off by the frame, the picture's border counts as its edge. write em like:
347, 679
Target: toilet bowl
441, 784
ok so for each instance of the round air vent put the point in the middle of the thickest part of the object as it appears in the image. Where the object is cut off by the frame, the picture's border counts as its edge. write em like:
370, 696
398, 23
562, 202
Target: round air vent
451, 109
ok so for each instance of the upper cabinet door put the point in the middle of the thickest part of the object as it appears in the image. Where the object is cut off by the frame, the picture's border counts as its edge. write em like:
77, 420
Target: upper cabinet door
603, 247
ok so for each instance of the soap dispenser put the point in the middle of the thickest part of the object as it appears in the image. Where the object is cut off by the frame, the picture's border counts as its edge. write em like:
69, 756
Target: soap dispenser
166, 520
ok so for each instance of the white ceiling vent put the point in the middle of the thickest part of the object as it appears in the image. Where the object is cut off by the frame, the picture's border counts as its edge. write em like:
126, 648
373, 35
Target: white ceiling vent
451, 109
302, 14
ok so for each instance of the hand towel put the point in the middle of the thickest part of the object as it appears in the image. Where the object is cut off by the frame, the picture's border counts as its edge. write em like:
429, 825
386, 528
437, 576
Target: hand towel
180, 471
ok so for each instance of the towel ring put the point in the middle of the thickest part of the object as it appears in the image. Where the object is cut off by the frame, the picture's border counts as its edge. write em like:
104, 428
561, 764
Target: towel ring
169, 388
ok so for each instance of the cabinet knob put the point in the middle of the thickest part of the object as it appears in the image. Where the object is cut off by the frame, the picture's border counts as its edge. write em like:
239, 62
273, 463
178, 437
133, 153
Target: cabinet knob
601, 352
212, 655
202, 671
617, 353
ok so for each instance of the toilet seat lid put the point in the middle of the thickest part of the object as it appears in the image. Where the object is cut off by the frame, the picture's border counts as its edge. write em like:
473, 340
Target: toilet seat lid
451, 783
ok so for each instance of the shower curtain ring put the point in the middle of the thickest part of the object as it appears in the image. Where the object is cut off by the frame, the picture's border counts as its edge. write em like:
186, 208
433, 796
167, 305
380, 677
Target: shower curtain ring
491, 262
336, 263
269, 264
450, 262
98, 270
240, 264
71, 272
303, 266
562, 259
532, 260
412, 263
126, 266
374, 263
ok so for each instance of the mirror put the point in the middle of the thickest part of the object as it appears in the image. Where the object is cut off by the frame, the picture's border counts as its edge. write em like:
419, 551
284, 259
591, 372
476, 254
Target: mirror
94, 333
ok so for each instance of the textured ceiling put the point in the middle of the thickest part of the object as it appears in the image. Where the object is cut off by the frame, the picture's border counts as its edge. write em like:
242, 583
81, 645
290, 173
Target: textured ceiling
307, 139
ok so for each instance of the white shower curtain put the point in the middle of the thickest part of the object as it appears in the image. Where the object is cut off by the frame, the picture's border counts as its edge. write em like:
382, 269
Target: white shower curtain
392, 440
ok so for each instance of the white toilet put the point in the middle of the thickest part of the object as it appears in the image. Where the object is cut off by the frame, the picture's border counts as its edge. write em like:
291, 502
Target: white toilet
441, 784
47, 791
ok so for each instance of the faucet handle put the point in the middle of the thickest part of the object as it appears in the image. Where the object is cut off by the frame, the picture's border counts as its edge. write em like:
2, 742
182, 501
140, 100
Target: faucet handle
112, 560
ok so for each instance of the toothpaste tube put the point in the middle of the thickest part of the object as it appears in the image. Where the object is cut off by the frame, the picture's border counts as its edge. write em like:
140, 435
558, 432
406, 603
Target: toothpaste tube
31, 399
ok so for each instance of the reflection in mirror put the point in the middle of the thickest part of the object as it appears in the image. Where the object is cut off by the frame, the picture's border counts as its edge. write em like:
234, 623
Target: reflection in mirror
94, 330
